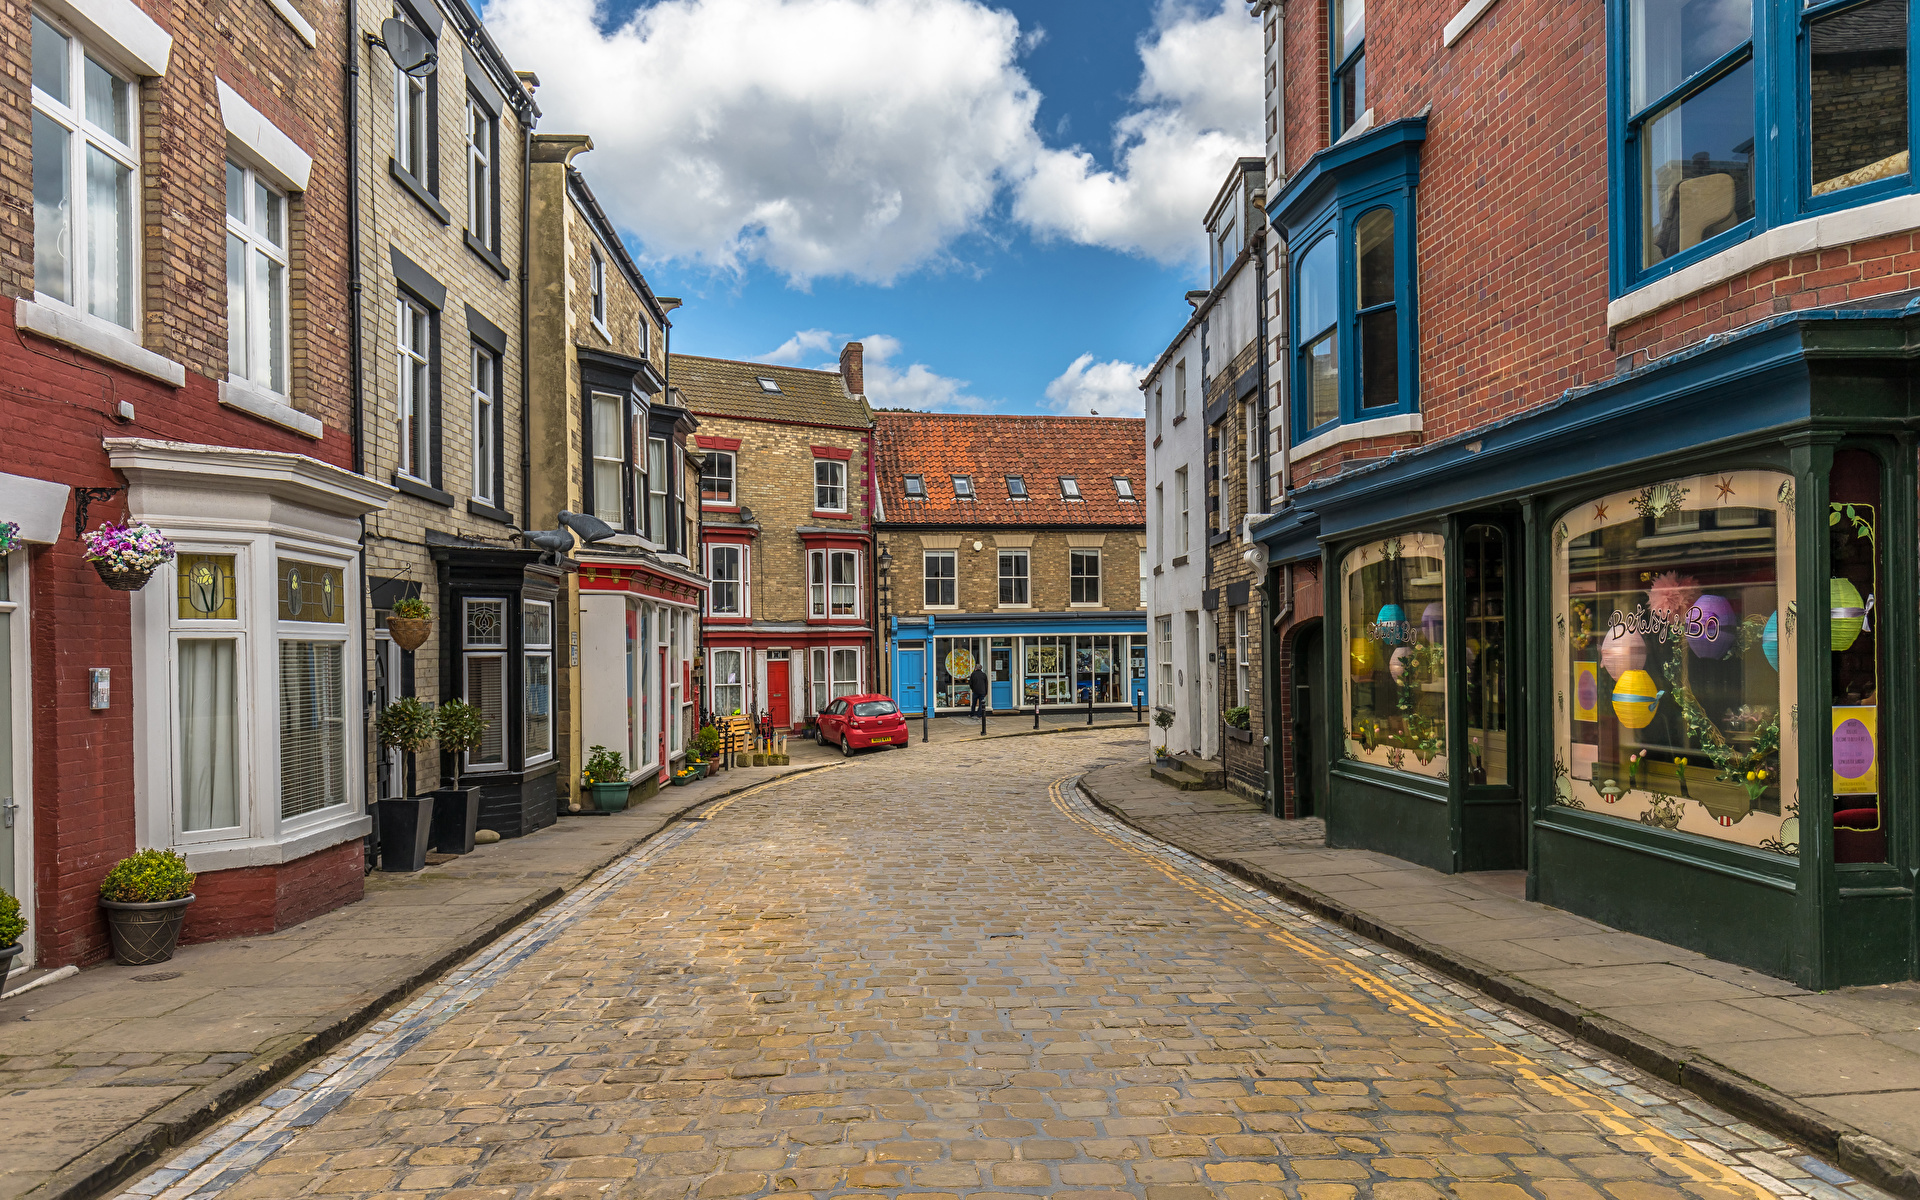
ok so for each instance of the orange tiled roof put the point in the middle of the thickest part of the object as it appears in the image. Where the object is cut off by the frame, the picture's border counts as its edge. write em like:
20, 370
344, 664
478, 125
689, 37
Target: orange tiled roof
938, 446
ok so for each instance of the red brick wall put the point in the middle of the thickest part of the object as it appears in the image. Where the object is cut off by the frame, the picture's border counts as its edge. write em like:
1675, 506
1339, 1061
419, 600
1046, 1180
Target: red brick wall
256, 900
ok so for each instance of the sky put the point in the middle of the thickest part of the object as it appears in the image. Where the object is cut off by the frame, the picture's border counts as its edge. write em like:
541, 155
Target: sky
1002, 201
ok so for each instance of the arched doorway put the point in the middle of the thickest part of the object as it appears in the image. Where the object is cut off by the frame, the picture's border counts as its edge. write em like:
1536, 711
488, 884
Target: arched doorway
1309, 682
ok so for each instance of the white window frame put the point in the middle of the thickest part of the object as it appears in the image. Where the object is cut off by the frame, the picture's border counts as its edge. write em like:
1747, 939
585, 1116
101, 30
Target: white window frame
1075, 576
412, 122
830, 493
1160, 521
742, 605
254, 342
963, 488
657, 481
714, 457
1024, 578
1242, 666
483, 390
715, 685
1163, 635
834, 589
1144, 577
1180, 389
644, 334
673, 639
531, 652
842, 682
1182, 530
83, 135
927, 559
255, 816
1070, 488
607, 418
496, 652
352, 765
413, 387
597, 289
482, 177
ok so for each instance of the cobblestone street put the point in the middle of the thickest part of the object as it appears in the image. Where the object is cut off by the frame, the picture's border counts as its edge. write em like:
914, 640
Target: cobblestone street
940, 972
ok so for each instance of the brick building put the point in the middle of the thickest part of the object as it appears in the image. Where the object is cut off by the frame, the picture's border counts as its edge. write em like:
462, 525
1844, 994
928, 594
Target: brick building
1575, 407
1017, 544
181, 356
786, 510
610, 440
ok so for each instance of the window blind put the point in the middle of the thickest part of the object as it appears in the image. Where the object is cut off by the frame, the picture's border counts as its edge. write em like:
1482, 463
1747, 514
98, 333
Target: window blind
313, 727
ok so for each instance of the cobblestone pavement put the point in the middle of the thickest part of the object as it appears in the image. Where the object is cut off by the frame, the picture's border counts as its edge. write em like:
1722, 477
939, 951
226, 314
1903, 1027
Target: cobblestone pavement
942, 973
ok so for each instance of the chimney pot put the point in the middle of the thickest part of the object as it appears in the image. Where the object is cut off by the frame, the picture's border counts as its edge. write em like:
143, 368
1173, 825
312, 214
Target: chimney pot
851, 368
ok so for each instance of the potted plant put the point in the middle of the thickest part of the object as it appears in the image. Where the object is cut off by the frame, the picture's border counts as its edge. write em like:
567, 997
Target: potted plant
146, 897
460, 728
707, 744
409, 623
1164, 720
126, 556
12, 925
607, 777
406, 823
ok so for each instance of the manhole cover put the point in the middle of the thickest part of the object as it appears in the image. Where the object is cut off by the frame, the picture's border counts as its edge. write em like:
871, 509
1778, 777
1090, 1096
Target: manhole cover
157, 977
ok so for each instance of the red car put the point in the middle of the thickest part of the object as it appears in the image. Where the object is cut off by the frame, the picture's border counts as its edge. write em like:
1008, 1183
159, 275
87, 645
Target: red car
858, 722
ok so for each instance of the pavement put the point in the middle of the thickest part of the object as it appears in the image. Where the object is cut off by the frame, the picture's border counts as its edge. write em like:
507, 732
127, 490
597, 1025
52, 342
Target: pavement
941, 974
1838, 1070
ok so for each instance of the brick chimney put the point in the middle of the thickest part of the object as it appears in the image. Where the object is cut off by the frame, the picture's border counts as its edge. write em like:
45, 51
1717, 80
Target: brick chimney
851, 368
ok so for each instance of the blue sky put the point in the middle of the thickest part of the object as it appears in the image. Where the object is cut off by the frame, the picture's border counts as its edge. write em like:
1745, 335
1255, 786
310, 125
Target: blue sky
1003, 201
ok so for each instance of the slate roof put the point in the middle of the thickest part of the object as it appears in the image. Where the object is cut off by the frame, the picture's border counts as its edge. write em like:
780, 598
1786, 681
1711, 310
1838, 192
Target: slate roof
938, 446
722, 387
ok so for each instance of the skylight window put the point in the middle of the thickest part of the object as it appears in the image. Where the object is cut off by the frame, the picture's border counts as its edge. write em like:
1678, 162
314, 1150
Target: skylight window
1123, 487
963, 487
1016, 488
916, 487
1069, 488
769, 385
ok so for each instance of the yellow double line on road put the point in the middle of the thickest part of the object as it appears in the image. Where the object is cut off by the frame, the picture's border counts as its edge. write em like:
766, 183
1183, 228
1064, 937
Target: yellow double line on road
1599, 1106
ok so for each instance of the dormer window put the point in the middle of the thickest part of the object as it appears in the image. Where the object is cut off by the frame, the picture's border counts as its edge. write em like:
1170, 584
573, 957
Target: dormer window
963, 487
769, 385
916, 487
1123, 487
1069, 488
1016, 488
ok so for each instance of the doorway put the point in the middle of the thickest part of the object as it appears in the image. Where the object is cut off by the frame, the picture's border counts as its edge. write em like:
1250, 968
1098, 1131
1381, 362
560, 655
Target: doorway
910, 668
16, 790
1309, 718
1001, 671
779, 711
1196, 692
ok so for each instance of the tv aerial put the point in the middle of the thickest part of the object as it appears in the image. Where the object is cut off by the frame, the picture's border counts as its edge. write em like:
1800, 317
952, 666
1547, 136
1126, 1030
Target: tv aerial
409, 49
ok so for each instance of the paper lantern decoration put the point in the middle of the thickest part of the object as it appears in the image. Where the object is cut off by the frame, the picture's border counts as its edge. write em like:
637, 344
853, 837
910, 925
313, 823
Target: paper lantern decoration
1849, 613
1363, 656
1623, 651
1770, 640
1400, 662
1391, 626
1714, 617
1635, 698
1433, 622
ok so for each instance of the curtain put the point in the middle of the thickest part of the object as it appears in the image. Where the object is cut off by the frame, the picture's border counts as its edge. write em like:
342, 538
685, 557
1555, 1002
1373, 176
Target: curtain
209, 748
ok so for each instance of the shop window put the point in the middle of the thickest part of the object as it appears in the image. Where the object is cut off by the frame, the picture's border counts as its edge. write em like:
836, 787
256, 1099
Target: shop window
716, 478
1049, 670
1483, 580
1396, 679
256, 280
1083, 576
942, 586
86, 184
729, 681
1853, 527
674, 638
1674, 669
483, 654
1013, 577
1694, 173
954, 661
536, 666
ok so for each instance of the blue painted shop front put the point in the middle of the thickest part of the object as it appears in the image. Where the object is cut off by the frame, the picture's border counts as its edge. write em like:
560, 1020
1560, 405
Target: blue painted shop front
1058, 660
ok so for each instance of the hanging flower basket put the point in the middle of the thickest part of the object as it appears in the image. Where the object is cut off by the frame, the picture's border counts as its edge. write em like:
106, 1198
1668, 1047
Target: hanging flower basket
9, 535
126, 556
410, 624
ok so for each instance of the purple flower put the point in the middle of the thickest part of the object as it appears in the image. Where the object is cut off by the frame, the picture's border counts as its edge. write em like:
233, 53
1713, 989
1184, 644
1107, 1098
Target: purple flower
128, 547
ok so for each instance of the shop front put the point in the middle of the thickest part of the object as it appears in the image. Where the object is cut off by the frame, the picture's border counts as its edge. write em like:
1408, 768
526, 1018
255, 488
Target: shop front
639, 619
1052, 664
1643, 643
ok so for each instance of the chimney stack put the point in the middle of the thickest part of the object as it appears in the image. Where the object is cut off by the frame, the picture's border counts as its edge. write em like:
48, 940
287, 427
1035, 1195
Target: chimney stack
851, 368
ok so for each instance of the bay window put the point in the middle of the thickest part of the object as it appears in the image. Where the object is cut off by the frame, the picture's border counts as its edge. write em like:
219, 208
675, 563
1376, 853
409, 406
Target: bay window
1394, 694
835, 673
657, 484
207, 644
728, 686
609, 458
483, 653
833, 579
256, 280
537, 674
312, 616
85, 178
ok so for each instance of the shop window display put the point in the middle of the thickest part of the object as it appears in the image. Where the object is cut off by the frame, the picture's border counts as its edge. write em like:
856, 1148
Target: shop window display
1673, 629
1853, 521
1483, 578
1396, 679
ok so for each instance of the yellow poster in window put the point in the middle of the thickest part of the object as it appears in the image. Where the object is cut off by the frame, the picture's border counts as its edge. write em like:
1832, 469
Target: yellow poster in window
1856, 749
1586, 691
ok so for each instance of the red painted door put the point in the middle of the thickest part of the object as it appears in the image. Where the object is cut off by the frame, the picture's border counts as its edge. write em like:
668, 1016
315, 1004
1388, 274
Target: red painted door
777, 708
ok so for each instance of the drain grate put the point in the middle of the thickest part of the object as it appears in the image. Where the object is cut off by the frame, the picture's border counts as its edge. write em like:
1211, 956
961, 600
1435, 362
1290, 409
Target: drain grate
157, 977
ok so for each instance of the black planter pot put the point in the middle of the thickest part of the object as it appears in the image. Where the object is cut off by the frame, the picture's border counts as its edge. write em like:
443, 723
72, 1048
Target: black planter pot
145, 933
456, 815
406, 826
7, 955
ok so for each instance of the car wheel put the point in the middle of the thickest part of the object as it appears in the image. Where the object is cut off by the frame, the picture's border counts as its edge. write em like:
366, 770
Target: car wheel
819, 739
846, 746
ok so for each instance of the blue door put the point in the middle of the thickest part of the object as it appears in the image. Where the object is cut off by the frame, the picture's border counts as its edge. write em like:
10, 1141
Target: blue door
1002, 677
909, 679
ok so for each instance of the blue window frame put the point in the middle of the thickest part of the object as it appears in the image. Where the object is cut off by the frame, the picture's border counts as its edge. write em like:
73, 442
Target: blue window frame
1348, 221
1730, 117
1346, 64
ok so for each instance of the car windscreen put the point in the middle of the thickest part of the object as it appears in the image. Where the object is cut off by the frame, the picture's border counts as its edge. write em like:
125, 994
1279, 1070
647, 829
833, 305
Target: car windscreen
875, 708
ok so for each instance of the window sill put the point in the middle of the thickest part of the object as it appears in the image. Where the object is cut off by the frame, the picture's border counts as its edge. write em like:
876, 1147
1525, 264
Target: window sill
1159, 570
413, 187
1179, 560
1013, 608
480, 508
1157, 439
1097, 605
1360, 125
1219, 539
107, 343
600, 327
300, 24
488, 256
1354, 432
831, 515
267, 853
939, 608
1897, 214
718, 507
1179, 417
423, 491
1463, 20
272, 407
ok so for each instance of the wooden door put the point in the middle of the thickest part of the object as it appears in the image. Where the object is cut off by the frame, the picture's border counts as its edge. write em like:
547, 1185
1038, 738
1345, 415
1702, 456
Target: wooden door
777, 707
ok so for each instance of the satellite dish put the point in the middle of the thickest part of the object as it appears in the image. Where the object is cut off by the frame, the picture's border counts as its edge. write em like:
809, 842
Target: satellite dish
408, 47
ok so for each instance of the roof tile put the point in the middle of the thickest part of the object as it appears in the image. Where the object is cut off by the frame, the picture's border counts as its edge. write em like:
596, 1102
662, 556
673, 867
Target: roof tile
987, 448
726, 388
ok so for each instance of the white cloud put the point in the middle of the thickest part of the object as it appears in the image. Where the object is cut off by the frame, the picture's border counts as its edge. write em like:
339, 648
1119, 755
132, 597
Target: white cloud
1111, 389
914, 386
822, 137
799, 346
1199, 108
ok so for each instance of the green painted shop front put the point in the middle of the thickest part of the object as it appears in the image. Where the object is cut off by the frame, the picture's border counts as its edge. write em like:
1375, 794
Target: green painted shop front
1655, 643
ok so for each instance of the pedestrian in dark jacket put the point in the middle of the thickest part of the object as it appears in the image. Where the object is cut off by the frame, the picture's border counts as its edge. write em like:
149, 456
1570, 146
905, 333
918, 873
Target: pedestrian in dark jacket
978, 682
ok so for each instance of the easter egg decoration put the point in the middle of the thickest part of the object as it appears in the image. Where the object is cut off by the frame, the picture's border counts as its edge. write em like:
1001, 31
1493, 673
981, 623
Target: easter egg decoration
1391, 626
1622, 651
1849, 613
1712, 627
1400, 662
1363, 656
1635, 697
1770, 640
1433, 622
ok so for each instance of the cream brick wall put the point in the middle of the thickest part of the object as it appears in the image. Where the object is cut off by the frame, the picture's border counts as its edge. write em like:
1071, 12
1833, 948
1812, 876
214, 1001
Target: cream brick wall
1048, 580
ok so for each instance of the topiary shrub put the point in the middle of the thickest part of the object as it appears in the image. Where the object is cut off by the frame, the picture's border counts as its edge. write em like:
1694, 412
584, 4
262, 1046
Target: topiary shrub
12, 924
406, 724
148, 878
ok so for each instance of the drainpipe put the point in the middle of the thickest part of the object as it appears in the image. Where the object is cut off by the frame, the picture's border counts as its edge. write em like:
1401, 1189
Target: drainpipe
526, 323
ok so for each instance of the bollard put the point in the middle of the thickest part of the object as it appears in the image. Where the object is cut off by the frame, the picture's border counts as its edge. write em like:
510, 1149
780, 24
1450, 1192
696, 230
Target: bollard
1089, 706
983, 718
923, 725
1136, 708
1036, 712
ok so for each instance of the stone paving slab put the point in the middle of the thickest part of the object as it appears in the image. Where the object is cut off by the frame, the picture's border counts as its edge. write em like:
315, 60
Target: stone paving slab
1822, 1066
104, 1071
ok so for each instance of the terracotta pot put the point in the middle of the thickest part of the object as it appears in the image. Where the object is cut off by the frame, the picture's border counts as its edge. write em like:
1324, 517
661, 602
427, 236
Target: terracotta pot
145, 933
122, 581
409, 633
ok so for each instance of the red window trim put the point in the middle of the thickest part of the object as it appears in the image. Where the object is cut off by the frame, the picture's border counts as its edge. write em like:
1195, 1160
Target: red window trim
710, 442
731, 535
827, 515
832, 452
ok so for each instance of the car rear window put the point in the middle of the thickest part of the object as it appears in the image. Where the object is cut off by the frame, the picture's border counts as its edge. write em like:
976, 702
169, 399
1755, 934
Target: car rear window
875, 708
